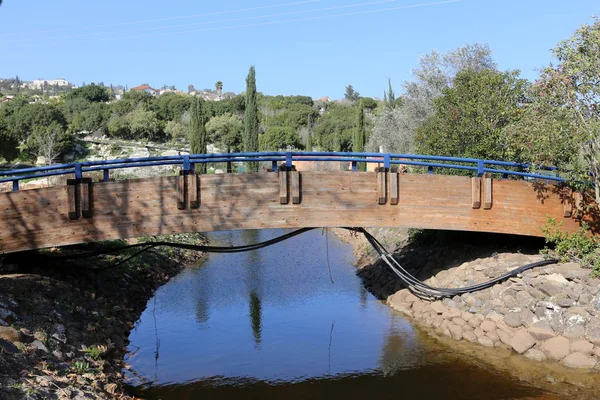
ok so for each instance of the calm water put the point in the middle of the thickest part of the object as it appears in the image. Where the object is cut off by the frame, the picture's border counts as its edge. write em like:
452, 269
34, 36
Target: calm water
292, 321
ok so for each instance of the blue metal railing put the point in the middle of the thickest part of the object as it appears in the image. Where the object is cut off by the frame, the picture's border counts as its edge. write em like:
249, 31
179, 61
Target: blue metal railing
187, 162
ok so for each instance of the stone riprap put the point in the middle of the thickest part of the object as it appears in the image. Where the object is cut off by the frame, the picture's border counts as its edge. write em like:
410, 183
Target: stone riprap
547, 313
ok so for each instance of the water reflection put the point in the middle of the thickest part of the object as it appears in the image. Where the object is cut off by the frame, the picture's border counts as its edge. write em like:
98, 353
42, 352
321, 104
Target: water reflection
271, 324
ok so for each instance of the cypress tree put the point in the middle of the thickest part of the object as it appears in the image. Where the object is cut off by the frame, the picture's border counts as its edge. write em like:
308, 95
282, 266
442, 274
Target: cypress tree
198, 131
391, 96
359, 140
250, 137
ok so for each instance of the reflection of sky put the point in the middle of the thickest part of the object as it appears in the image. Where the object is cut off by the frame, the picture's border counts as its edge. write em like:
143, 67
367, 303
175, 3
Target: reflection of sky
272, 314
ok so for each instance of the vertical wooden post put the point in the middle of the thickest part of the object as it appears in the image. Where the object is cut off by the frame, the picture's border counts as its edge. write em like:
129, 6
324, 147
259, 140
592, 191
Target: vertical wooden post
283, 185
73, 198
296, 186
476, 192
193, 191
578, 197
381, 185
394, 188
487, 192
181, 189
86, 197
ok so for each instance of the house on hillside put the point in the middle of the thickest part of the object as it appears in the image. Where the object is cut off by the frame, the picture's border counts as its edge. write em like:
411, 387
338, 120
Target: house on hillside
6, 99
322, 104
146, 88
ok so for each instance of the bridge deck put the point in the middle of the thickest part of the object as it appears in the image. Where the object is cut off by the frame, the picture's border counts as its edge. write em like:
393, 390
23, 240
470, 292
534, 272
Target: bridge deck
121, 209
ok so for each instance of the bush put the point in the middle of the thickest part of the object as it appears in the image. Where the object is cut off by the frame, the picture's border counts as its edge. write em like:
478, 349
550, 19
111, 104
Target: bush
577, 246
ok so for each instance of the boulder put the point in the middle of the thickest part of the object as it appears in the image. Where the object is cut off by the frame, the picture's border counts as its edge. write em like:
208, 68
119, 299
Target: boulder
579, 360
469, 336
535, 354
487, 326
513, 319
541, 330
572, 271
556, 348
582, 346
438, 307
485, 341
522, 341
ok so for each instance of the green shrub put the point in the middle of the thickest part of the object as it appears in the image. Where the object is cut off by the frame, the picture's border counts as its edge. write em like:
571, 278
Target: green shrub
577, 246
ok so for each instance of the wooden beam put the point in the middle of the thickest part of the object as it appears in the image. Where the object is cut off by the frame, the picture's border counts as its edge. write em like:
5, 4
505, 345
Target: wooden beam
283, 185
487, 193
73, 198
394, 188
86, 197
193, 192
181, 186
476, 192
296, 187
381, 185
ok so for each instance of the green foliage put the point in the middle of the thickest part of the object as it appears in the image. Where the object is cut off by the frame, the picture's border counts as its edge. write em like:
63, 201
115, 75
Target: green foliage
250, 138
351, 94
226, 130
94, 117
577, 246
335, 129
171, 106
95, 352
368, 103
358, 139
144, 125
197, 131
92, 93
471, 117
80, 367
279, 138
176, 129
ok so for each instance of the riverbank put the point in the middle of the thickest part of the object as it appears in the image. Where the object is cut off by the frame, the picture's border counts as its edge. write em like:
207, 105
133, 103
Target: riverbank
64, 325
547, 314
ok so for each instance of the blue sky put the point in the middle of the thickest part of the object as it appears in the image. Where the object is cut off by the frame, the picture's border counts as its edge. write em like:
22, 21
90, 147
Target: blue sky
307, 47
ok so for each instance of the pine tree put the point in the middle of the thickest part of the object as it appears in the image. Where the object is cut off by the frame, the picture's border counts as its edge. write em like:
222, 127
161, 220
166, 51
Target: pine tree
391, 98
358, 140
250, 137
198, 131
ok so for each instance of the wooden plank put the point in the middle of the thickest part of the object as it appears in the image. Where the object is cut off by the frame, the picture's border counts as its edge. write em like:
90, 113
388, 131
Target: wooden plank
181, 186
283, 185
193, 192
73, 199
476, 192
394, 188
381, 185
86, 197
487, 193
296, 187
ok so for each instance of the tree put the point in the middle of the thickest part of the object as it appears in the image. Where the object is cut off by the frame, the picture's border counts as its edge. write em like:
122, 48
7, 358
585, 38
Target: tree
250, 138
92, 93
336, 128
226, 130
358, 140
396, 129
570, 91
197, 131
279, 138
391, 96
49, 141
472, 116
219, 88
144, 125
351, 94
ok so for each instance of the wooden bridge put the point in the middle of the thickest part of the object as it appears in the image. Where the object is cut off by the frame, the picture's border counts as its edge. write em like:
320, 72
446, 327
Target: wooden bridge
499, 196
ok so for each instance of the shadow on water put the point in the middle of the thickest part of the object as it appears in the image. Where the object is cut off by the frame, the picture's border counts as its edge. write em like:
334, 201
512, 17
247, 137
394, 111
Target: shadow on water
292, 321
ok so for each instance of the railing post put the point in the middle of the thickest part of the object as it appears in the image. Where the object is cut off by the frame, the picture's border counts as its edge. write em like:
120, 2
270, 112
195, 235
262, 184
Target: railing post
480, 168
386, 162
430, 170
15, 185
186, 163
354, 166
274, 166
78, 171
106, 176
288, 160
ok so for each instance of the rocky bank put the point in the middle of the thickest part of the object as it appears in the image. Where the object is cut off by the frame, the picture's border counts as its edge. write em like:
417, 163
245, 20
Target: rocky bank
64, 324
549, 313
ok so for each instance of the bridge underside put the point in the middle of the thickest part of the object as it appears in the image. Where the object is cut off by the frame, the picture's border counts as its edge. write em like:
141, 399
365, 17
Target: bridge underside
40, 218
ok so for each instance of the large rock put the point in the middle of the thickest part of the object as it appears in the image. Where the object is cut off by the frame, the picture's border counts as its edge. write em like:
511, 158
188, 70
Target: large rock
522, 341
513, 319
10, 334
505, 337
556, 348
575, 327
582, 346
541, 330
535, 354
469, 336
550, 288
572, 271
487, 326
592, 331
486, 341
579, 360
438, 307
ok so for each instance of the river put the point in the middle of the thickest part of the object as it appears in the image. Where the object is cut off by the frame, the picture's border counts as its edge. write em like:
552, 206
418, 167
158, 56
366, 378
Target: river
293, 321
